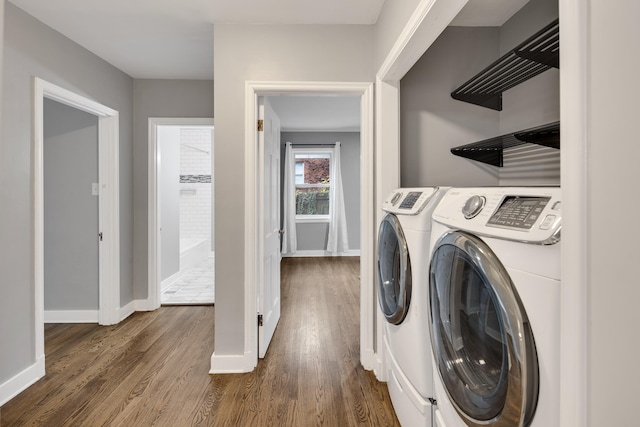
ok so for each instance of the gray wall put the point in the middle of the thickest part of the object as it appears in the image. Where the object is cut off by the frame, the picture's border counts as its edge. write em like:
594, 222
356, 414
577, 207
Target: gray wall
32, 49
536, 101
532, 103
313, 237
338, 53
432, 122
157, 98
70, 209
169, 192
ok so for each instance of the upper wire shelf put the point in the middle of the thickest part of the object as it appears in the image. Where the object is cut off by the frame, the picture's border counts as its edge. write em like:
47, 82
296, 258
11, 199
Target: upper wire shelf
535, 55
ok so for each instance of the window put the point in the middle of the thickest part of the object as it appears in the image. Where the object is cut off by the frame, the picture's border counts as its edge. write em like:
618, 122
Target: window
312, 180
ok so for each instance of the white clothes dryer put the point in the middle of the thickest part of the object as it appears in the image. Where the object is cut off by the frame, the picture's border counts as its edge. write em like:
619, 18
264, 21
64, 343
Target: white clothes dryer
403, 262
494, 296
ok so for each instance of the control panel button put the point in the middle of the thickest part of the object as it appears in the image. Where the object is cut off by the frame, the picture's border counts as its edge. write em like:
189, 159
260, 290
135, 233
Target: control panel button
556, 206
395, 198
473, 206
548, 222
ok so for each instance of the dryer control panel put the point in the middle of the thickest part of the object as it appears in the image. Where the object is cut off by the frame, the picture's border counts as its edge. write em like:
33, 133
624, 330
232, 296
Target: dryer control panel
408, 201
527, 214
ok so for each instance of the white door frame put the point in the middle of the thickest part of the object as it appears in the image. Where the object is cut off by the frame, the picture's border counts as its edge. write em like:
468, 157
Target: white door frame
108, 208
153, 242
367, 229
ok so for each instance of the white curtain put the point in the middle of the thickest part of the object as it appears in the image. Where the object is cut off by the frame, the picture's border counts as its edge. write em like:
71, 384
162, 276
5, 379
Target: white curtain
289, 241
338, 239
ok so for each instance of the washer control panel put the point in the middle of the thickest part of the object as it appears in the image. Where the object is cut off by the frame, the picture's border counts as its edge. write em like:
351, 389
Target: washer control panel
408, 201
518, 212
528, 214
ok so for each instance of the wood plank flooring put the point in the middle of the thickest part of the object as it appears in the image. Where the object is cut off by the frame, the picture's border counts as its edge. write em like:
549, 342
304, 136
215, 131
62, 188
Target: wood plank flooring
152, 368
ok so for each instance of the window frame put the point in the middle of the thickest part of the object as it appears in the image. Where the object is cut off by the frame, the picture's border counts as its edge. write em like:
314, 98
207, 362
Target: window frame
306, 219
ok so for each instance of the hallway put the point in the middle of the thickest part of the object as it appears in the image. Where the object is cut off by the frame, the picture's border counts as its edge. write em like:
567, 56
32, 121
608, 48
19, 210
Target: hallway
152, 369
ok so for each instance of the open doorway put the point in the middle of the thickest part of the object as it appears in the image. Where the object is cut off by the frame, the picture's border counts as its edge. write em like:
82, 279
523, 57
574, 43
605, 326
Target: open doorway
71, 230
108, 307
181, 239
253, 238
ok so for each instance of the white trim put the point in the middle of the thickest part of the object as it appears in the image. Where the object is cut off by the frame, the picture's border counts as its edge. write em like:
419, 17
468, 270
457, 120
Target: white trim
130, 308
134, 306
109, 218
71, 316
387, 179
20, 382
231, 364
252, 91
312, 219
427, 22
321, 253
109, 212
154, 288
368, 231
574, 76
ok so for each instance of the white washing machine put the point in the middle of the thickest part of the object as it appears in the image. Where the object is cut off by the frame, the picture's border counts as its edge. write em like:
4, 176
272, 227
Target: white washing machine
403, 262
494, 296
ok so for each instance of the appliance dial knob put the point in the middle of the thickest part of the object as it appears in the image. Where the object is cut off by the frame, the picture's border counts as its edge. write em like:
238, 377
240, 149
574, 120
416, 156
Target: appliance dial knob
473, 206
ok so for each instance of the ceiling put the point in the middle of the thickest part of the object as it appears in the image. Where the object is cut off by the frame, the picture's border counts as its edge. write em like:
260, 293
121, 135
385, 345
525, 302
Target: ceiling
171, 39
317, 113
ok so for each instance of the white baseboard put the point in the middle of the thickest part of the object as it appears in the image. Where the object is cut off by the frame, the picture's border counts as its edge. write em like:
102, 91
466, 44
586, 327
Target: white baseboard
133, 306
14, 386
127, 311
231, 364
71, 316
143, 305
321, 253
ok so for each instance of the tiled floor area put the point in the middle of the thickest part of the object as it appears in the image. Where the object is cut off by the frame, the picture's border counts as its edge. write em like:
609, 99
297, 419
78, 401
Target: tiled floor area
194, 287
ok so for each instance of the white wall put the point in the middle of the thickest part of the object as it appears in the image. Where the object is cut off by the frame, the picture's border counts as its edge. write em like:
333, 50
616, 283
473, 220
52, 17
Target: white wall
195, 183
392, 20
263, 53
612, 204
168, 140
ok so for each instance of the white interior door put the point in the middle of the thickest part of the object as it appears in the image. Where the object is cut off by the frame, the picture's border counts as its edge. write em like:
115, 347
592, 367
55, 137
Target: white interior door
268, 225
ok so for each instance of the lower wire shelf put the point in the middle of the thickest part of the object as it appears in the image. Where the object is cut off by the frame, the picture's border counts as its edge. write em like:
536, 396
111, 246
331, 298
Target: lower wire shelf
490, 150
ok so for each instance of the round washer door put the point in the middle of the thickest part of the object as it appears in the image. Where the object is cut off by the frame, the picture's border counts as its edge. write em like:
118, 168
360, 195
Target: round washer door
481, 338
394, 270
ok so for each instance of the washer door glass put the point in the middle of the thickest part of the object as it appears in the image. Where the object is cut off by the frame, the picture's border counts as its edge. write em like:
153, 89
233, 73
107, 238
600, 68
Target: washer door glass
482, 340
394, 270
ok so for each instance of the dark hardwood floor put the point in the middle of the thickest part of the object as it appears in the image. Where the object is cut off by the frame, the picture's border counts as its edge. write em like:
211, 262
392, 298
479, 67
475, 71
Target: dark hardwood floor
152, 368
